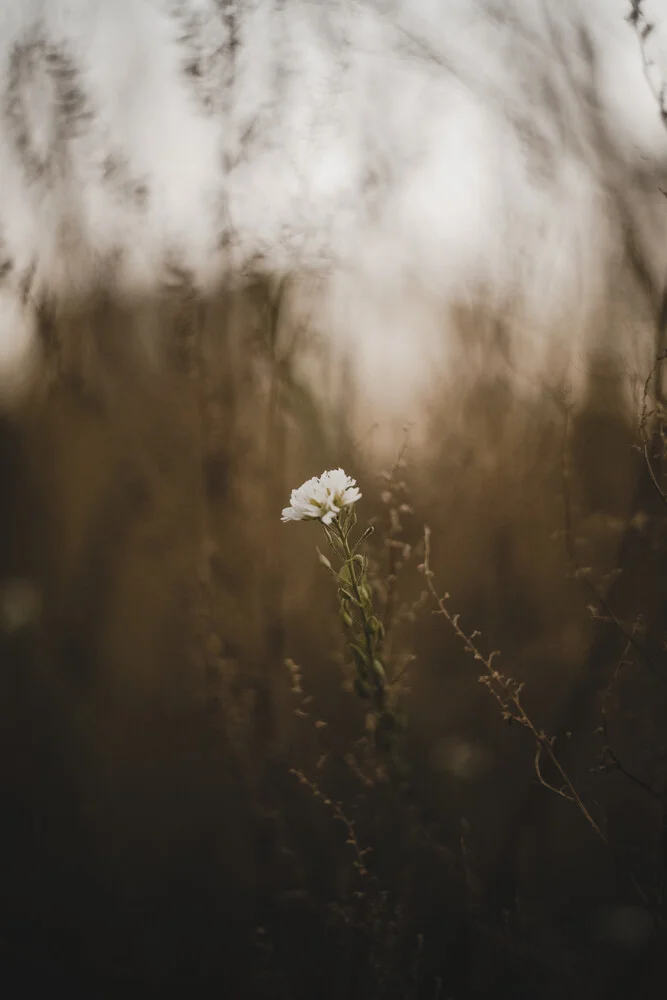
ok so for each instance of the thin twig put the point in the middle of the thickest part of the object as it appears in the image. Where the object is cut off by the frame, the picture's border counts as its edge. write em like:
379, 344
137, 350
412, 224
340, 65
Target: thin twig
337, 812
507, 693
609, 613
607, 749
645, 415
643, 28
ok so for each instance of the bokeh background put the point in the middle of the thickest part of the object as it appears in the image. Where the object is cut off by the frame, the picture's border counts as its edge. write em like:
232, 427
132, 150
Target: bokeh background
154, 841
459, 299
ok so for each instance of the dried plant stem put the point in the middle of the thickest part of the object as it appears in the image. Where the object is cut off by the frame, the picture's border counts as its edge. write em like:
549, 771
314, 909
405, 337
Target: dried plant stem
602, 602
507, 693
643, 28
394, 547
338, 814
643, 421
609, 756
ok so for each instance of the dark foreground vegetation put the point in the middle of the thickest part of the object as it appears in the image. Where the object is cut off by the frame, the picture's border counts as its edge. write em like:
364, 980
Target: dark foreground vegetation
192, 802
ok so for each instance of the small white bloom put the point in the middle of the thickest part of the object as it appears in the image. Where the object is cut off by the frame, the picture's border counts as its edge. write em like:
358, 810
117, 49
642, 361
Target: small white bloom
322, 498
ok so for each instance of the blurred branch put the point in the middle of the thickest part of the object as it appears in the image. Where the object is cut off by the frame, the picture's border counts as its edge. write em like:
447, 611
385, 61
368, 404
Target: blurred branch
646, 414
644, 27
507, 693
628, 632
610, 759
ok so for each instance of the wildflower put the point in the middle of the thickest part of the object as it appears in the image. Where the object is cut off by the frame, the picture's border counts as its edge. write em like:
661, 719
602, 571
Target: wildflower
328, 499
322, 498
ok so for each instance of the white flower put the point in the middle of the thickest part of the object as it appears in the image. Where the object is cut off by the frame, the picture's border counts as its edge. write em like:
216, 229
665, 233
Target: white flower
322, 498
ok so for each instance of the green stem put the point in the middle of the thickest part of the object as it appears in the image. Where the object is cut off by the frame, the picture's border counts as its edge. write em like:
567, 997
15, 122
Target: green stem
369, 635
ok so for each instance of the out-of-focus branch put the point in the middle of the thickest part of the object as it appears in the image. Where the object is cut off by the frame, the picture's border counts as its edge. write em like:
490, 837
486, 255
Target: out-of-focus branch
645, 417
507, 693
644, 27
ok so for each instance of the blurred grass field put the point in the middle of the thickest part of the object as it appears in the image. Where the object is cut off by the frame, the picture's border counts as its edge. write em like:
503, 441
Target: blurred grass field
154, 839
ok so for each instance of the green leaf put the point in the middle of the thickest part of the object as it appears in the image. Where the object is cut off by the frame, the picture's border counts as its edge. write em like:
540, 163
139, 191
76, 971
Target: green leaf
360, 656
349, 596
324, 561
361, 688
377, 627
367, 533
379, 670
